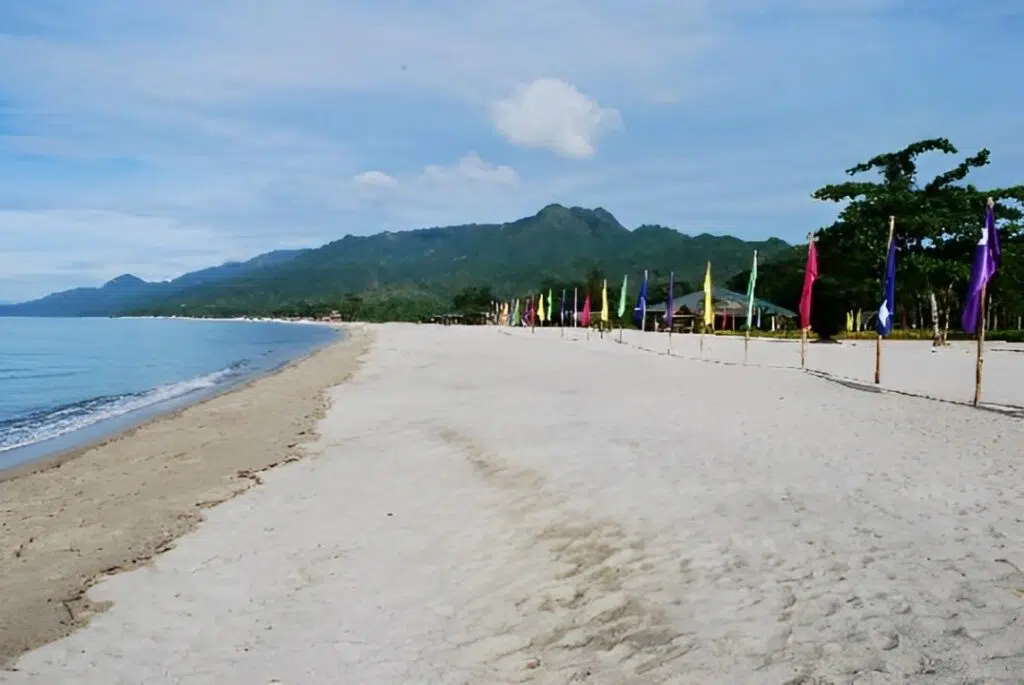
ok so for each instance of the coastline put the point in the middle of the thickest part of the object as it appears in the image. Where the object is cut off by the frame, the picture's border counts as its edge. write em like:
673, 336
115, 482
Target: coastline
46, 453
74, 517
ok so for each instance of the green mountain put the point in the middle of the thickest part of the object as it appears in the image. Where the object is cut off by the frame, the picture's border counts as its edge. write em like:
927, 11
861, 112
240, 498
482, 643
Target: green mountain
413, 273
556, 244
128, 291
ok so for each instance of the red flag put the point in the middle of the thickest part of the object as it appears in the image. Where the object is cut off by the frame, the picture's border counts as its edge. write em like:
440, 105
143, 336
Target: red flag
810, 276
585, 316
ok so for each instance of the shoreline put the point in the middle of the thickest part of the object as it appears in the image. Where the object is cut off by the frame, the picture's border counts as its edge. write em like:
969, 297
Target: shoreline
59, 448
75, 517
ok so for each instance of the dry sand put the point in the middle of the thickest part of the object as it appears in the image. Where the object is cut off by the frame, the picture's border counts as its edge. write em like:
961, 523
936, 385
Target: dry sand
71, 519
488, 506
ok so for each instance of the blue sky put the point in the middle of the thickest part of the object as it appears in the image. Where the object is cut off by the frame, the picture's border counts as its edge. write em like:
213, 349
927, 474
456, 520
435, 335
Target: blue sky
160, 137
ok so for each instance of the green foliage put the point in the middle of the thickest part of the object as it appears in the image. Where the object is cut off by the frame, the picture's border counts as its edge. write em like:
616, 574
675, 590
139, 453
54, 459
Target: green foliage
937, 224
473, 300
828, 311
464, 268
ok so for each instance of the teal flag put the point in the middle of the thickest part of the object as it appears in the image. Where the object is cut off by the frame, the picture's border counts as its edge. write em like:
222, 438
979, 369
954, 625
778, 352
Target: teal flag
622, 296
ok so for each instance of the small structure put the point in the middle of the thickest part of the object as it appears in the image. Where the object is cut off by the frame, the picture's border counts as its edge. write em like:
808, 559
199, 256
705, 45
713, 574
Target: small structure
730, 311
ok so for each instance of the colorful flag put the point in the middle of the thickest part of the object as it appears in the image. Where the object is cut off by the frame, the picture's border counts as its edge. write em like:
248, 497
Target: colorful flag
987, 257
640, 310
541, 313
561, 309
670, 310
758, 317
605, 318
709, 313
885, 311
857, 321
575, 306
849, 321
585, 316
810, 276
622, 297
516, 321
551, 304
750, 292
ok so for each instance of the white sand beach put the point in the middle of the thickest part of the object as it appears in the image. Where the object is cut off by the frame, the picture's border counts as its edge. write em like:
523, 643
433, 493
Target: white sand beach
488, 506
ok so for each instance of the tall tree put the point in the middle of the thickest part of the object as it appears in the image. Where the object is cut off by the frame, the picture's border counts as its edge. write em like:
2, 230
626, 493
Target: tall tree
937, 225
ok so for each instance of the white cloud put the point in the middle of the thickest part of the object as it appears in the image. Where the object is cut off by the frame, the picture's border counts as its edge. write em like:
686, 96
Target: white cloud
552, 114
374, 184
471, 169
468, 172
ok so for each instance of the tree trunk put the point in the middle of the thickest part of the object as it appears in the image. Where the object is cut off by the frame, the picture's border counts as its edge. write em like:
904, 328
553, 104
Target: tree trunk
948, 305
936, 334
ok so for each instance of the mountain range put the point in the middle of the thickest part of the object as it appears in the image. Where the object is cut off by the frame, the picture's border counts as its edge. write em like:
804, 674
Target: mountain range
556, 244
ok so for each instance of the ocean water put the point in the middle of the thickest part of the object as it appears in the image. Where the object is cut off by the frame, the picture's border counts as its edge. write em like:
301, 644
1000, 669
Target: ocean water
64, 382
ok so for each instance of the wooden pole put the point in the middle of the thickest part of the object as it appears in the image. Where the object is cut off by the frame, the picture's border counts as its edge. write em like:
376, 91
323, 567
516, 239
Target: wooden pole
670, 338
803, 330
878, 340
702, 339
746, 341
979, 366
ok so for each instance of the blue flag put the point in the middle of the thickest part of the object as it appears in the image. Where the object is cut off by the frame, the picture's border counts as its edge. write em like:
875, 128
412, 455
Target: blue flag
640, 310
885, 311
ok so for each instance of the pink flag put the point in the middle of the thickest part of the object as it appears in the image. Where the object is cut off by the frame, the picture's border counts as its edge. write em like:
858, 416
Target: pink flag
810, 276
585, 316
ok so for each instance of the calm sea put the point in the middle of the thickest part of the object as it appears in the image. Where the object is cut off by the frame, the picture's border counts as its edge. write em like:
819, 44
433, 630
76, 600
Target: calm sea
64, 382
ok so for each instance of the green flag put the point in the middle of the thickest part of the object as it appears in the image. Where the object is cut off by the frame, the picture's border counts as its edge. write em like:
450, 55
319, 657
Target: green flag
516, 320
551, 303
622, 297
750, 291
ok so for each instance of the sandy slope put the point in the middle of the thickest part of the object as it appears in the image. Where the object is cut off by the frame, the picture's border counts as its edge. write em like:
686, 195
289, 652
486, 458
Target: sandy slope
496, 507
114, 506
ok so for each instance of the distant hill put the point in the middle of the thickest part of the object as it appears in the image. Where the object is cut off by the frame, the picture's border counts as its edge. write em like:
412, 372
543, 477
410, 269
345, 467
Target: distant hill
557, 244
128, 291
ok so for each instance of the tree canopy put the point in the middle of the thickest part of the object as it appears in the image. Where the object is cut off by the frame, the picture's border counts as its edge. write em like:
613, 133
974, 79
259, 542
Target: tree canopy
937, 224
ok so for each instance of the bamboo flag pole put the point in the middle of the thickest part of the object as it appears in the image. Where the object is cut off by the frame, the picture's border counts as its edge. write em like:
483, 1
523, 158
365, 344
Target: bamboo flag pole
811, 238
979, 366
878, 340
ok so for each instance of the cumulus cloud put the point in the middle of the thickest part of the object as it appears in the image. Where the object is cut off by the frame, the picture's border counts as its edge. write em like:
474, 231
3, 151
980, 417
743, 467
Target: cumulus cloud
471, 169
468, 171
374, 184
554, 115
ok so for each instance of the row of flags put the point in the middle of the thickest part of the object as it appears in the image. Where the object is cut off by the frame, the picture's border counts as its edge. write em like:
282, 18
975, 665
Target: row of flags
511, 313
987, 260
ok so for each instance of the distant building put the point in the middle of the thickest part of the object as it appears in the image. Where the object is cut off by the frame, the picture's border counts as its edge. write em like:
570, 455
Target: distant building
730, 311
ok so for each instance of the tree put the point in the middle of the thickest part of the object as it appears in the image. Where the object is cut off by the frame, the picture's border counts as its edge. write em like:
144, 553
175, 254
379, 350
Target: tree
473, 300
937, 224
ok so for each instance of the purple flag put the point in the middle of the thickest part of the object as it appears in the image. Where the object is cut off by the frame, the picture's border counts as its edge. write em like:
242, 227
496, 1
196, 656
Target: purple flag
986, 260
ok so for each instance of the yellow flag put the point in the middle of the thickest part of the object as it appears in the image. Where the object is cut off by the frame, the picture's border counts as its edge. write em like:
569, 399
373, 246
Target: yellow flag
604, 303
540, 308
709, 312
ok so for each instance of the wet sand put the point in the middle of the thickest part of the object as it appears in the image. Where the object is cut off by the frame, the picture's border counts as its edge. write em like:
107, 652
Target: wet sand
71, 519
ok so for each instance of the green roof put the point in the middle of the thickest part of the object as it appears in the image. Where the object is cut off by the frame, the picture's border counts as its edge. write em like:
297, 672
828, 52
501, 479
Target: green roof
721, 300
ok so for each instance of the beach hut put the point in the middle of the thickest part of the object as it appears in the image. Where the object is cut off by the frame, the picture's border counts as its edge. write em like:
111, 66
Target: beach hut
730, 311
